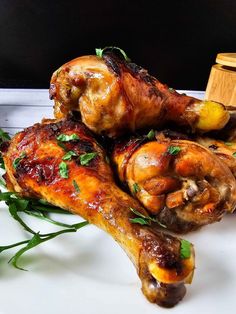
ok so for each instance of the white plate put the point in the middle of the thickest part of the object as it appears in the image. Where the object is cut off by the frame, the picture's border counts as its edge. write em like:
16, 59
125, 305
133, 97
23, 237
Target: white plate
87, 272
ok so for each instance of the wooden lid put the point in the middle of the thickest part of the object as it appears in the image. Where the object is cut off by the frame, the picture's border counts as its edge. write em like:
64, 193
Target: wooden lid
228, 59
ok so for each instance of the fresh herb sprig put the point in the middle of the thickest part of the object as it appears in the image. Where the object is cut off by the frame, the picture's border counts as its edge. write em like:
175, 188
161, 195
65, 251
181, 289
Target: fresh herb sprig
144, 219
100, 52
38, 210
36, 240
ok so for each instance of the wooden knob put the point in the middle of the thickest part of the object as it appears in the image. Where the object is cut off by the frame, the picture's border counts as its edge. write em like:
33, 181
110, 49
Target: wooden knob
221, 85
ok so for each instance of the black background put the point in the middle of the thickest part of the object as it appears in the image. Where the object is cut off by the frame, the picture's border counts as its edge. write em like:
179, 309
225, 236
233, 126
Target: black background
176, 41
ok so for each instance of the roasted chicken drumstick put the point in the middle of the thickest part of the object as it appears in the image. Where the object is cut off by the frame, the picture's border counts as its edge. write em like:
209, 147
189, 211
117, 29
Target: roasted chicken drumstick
180, 182
61, 162
115, 97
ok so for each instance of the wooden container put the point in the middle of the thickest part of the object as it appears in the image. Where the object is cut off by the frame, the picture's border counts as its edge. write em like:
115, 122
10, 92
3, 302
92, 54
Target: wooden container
221, 85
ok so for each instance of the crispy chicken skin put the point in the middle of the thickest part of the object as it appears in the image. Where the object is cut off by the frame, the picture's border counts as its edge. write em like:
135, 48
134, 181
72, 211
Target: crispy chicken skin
156, 255
223, 150
180, 182
115, 97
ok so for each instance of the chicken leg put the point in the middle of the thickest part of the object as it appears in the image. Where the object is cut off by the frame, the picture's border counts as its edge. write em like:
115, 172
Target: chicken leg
115, 97
181, 182
61, 162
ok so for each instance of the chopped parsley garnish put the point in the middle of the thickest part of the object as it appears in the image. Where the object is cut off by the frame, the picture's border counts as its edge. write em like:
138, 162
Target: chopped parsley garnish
18, 160
40, 209
63, 170
185, 249
173, 150
69, 155
76, 186
151, 135
172, 90
136, 188
86, 158
228, 143
234, 154
99, 52
67, 138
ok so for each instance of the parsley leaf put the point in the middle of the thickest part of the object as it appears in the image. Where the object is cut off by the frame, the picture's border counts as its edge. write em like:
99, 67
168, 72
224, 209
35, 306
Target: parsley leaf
86, 158
151, 134
99, 52
136, 188
173, 150
76, 186
63, 170
228, 143
69, 155
18, 160
234, 154
185, 249
172, 90
67, 138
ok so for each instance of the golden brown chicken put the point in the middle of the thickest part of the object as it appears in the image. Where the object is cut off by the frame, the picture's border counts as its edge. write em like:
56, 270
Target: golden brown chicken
61, 162
180, 182
115, 96
226, 151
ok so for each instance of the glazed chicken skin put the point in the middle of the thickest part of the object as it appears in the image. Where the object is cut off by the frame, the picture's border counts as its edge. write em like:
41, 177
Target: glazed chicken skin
86, 187
180, 182
226, 151
115, 97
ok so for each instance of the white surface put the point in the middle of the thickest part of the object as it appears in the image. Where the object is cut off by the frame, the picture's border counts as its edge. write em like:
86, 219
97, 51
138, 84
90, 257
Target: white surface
87, 272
